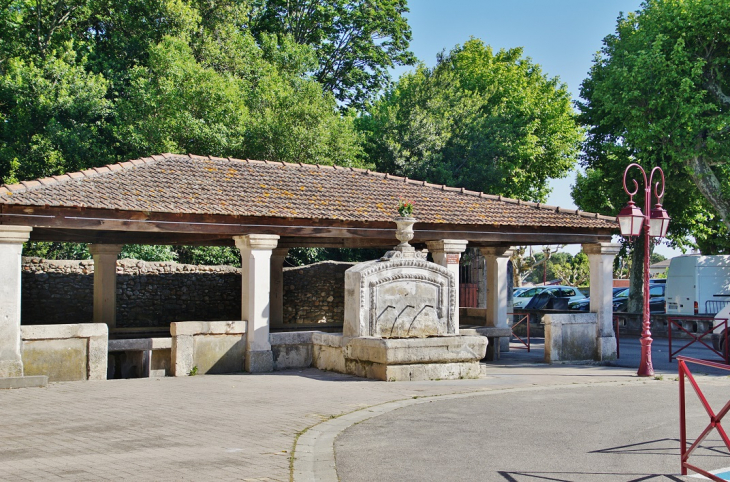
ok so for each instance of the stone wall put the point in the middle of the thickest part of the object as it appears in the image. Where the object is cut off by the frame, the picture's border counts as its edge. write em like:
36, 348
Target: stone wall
148, 294
315, 293
156, 294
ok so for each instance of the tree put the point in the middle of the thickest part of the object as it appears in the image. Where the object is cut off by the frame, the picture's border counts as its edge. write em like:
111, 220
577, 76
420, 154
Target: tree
85, 83
485, 121
53, 113
356, 41
656, 95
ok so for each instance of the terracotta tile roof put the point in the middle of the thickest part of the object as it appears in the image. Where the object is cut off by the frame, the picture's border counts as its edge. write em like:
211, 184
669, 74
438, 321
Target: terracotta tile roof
190, 184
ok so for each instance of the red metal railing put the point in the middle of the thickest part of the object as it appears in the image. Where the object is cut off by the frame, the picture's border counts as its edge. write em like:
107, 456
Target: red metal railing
698, 337
715, 419
524, 317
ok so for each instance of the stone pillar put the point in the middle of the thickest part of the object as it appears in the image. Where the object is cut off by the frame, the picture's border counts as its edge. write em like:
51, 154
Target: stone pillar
11, 246
446, 252
278, 256
600, 258
496, 260
256, 298
105, 283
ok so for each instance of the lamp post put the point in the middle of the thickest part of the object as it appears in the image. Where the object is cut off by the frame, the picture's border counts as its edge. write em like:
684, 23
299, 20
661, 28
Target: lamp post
654, 224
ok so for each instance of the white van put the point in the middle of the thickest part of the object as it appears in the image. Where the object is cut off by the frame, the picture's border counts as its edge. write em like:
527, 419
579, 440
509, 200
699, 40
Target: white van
697, 284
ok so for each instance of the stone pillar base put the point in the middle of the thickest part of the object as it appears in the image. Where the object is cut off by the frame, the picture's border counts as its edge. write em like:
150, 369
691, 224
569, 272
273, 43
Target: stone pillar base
606, 348
11, 368
24, 382
259, 361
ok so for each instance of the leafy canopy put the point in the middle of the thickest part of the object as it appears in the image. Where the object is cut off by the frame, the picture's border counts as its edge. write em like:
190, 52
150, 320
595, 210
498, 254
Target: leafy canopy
658, 94
485, 121
355, 41
85, 83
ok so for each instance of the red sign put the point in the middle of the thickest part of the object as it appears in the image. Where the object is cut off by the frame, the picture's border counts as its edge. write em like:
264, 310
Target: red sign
452, 258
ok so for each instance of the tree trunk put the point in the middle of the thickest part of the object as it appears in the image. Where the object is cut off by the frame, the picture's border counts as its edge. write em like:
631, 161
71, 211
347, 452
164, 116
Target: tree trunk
710, 187
636, 277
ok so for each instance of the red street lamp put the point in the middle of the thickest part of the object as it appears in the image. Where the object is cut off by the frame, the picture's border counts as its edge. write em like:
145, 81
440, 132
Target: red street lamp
654, 223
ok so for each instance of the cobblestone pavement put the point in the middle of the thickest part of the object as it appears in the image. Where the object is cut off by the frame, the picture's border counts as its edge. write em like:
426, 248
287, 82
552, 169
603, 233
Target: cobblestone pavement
225, 427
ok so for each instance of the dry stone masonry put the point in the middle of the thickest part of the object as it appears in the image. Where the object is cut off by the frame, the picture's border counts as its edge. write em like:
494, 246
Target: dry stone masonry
315, 293
152, 294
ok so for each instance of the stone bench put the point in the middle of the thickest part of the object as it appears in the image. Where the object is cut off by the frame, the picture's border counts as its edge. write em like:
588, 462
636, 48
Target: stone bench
492, 333
140, 358
67, 352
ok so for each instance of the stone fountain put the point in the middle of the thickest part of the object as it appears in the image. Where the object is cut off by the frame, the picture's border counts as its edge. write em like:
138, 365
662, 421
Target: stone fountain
400, 321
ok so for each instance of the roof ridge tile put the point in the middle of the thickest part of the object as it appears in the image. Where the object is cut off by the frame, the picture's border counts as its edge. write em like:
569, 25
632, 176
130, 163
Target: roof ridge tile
48, 181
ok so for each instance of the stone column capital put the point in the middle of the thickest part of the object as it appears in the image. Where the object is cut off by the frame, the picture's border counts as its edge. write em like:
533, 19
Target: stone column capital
498, 251
611, 249
14, 234
114, 249
448, 246
256, 241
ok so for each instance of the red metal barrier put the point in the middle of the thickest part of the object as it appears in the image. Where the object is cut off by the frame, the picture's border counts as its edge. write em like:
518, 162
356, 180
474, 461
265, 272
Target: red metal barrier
715, 419
674, 321
524, 317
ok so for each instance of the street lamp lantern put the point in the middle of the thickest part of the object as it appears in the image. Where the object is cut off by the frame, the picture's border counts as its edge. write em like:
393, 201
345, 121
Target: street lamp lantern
658, 222
655, 224
631, 220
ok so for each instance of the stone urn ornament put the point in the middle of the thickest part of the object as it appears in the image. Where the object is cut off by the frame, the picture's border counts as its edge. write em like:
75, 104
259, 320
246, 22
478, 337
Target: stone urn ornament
404, 233
404, 222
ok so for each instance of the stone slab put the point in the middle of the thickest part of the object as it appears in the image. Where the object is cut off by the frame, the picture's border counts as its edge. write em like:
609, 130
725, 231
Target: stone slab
328, 358
259, 361
329, 339
570, 337
416, 372
76, 330
219, 353
61, 360
140, 344
24, 382
489, 331
292, 355
291, 337
442, 349
207, 327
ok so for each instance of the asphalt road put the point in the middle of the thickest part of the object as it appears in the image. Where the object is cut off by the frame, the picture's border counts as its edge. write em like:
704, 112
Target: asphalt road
600, 432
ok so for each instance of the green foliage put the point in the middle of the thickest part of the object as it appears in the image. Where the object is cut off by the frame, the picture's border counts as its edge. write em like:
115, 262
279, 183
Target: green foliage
43, 249
85, 83
657, 95
485, 121
148, 252
305, 256
355, 41
568, 269
52, 115
209, 255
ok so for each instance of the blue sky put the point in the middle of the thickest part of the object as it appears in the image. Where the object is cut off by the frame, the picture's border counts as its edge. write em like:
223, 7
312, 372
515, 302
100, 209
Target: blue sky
560, 35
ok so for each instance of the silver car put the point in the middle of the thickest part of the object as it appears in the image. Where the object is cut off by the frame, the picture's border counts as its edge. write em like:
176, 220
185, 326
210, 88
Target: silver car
570, 292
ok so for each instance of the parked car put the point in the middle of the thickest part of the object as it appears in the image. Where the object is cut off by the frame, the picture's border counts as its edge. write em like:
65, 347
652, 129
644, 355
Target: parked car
585, 304
656, 299
517, 291
557, 291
